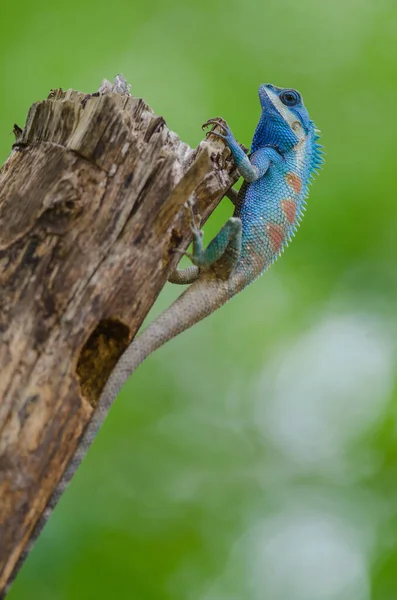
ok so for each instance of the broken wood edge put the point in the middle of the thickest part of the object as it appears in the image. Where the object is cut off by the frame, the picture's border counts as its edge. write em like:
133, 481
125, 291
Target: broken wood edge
208, 187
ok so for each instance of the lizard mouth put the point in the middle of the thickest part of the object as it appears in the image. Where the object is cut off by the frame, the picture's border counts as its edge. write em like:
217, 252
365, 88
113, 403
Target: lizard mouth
274, 88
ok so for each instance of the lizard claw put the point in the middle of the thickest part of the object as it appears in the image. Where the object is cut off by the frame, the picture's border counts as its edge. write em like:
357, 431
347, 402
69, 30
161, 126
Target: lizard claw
195, 219
216, 134
194, 223
216, 122
181, 252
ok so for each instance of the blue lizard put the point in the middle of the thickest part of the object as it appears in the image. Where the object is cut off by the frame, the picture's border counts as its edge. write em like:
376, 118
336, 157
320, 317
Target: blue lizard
285, 155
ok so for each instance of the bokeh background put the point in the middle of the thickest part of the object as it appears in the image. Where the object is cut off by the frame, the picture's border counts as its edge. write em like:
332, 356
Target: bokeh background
254, 457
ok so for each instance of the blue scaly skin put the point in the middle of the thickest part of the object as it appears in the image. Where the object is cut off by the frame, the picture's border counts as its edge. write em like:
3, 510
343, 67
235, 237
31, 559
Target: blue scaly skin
284, 157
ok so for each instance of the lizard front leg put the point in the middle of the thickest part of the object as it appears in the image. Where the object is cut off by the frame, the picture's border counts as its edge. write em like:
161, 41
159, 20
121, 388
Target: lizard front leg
251, 167
244, 166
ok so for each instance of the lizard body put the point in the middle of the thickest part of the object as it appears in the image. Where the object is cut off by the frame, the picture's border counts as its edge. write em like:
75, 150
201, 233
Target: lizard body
285, 155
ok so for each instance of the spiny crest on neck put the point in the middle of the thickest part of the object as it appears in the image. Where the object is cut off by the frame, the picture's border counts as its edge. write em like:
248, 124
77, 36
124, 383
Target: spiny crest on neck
315, 151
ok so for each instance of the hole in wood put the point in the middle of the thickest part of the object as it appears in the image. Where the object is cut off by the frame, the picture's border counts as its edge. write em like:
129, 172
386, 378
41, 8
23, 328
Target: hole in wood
99, 355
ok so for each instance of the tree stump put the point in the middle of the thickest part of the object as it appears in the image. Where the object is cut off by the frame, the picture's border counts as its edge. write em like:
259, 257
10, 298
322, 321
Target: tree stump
91, 208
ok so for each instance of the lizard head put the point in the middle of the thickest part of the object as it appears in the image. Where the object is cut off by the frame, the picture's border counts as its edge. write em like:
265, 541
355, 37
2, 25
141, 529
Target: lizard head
285, 124
285, 115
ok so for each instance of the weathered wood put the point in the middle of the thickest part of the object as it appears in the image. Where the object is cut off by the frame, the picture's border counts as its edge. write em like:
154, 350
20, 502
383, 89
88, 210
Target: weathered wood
91, 207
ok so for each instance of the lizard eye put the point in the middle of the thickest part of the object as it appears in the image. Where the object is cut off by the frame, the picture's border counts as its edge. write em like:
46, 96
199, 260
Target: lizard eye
290, 97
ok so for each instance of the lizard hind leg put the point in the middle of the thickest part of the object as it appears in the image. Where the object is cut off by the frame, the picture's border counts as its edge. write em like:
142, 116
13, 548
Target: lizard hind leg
219, 258
222, 253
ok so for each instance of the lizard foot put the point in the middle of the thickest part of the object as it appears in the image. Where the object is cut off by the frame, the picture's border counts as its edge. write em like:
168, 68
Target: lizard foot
182, 252
194, 223
215, 122
225, 132
194, 219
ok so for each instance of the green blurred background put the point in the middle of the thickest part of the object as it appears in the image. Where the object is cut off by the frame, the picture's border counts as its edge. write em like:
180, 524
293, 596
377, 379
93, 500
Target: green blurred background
254, 457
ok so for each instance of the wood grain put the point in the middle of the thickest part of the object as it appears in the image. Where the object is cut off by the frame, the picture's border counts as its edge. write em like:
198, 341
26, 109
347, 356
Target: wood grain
91, 208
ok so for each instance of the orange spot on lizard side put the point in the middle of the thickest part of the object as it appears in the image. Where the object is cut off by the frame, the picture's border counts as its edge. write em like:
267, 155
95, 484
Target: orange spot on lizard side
276, 235
294, 181
289, 209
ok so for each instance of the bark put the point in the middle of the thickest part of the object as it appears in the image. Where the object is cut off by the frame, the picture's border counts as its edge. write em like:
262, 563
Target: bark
91, 208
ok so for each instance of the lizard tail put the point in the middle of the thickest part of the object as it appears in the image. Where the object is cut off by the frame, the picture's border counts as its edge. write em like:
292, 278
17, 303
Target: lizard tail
201, 299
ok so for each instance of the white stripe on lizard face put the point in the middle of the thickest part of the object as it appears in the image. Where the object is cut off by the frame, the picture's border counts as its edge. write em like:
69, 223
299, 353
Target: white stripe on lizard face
287, 115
